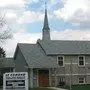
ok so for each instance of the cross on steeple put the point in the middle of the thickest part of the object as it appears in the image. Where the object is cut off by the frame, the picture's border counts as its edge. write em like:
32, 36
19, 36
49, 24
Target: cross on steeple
46, 29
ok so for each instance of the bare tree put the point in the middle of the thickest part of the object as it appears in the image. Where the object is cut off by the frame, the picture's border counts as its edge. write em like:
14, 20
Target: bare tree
4, 29
5, 33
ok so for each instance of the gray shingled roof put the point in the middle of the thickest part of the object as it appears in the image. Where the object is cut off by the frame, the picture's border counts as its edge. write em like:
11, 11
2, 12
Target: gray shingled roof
65, 47
7, 63
40, 55
35, 57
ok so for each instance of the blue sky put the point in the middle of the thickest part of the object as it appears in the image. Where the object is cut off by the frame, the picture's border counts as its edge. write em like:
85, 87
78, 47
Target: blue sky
68, 20
54, 23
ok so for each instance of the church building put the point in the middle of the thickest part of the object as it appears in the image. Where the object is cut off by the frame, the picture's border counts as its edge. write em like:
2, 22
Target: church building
54, 62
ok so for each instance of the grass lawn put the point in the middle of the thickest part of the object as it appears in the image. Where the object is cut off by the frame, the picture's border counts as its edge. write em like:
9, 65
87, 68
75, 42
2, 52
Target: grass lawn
81, 87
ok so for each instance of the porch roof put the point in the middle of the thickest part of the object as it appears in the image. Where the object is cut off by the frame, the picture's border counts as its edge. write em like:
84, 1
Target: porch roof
7, 63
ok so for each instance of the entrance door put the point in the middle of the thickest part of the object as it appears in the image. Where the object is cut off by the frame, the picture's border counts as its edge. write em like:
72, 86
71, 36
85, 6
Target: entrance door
43, 78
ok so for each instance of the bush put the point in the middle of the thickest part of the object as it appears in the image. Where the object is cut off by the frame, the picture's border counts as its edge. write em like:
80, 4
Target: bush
81, 87
61, 84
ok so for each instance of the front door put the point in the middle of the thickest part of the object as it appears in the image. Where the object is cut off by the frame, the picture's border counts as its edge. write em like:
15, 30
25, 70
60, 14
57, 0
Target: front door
43, 78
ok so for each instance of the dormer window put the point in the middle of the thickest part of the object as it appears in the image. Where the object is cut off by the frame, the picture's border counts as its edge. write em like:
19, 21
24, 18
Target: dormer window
81, 61
60, 60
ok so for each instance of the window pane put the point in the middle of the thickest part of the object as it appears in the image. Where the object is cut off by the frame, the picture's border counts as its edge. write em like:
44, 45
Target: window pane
81, 60
60, 63
81, 80
61, 80
60, 58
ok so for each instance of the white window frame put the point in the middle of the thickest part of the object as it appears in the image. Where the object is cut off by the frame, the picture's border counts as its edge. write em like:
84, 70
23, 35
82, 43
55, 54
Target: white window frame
58, 61
83, 80
83, 60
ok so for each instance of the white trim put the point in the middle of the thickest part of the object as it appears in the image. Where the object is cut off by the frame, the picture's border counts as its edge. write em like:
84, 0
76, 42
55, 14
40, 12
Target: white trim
72, 74
37, 79
31, 77
87, 63
63, 61
70, 63
75, 63
87, 73
83, 60
13, 69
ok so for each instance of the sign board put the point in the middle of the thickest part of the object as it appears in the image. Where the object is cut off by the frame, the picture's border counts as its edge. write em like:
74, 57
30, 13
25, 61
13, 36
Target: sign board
15, 81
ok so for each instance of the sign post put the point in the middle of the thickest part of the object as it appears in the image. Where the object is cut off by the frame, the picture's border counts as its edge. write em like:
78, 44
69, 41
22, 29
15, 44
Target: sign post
15, 81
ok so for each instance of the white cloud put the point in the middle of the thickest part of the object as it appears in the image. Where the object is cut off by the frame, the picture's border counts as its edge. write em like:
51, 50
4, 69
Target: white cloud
20, 37
16, 17
70, 35
75, 11
11, 15
30, 16
4, 3
70, 7
51, 3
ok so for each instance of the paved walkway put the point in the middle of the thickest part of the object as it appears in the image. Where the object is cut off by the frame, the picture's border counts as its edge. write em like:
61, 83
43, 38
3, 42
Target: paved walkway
58, 88
54, 88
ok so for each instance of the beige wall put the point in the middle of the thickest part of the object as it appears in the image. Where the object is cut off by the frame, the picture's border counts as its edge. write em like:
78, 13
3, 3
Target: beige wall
73, 75
71, 69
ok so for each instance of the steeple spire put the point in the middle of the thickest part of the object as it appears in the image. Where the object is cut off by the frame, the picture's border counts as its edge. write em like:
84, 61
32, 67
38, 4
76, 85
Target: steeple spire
46, 29
46, 26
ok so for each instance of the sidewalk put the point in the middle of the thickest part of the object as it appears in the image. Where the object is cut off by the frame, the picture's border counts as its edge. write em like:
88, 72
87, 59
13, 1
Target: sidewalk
55, 88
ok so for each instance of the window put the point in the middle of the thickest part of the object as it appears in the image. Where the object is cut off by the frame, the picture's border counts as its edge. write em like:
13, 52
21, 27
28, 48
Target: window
61, 61
61, 80
81, 61
81, 80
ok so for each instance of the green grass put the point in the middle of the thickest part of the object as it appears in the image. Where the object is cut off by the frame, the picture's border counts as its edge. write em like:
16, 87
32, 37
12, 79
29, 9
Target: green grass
81, 87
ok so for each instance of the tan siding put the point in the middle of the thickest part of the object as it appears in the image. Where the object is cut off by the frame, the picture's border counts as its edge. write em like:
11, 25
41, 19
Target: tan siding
68, 80
74, 69
88, 79
74, 80
67, 69
69, 58
81, 70
60, 70
87, 59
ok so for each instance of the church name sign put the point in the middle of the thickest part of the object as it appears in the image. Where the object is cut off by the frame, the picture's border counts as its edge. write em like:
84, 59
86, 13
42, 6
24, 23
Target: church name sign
15, 81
